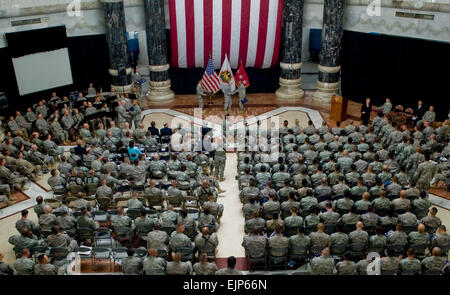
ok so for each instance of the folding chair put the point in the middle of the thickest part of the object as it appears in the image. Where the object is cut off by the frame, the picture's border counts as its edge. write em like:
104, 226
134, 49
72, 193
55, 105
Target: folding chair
389, 272
268, 214
91, 188
278, 257
152, 213
382, 212
100, 216
168, 229
121, 201
370, 229
419, 250
194, 213
101, 254
58, 253
330, 228
190, 232
133, 213
75, 189
357, 251
349, 227
187, 253
397, 249
123, 235
54, 203
298, 254
104, 203
255, 258
409, 228
85, 233
316, 250
118, 254
102, 234
290, 231
310, 228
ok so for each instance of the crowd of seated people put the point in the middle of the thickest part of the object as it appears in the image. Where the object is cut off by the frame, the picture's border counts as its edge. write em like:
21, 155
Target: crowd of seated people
124, 189
325, 198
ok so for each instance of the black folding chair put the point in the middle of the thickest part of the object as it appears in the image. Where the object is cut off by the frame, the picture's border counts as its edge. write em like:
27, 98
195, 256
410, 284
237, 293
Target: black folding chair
256, 260
278, 257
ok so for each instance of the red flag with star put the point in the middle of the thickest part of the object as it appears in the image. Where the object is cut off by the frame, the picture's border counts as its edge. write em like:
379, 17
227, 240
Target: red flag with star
241, 75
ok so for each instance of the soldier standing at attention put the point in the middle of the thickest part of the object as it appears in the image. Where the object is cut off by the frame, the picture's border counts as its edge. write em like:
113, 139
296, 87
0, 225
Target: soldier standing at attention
242, 95
220, 158
200, 92
424, 174
227, 98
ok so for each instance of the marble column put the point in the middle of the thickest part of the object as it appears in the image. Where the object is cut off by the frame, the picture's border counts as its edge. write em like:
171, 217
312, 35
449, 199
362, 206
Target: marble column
330, 50
116, 36
157, 51
291, 51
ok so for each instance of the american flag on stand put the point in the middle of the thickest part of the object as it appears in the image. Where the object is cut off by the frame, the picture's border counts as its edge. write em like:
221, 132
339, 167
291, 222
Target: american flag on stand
210, 80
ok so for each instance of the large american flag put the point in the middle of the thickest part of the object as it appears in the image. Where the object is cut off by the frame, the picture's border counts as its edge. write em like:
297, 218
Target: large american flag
247, 30
210, 80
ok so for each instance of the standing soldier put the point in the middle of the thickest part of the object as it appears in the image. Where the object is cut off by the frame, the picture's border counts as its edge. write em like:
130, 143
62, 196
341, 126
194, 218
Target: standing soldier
220, 158
242, 95
200, 92
424, 174
135, 112
227, 98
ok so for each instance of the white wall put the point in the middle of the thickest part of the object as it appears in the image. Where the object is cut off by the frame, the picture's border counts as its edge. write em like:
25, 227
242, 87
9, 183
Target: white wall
356, 18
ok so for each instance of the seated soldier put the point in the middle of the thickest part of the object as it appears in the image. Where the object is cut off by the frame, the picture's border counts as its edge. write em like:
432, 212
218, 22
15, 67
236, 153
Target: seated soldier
207, 219
206, 242
203, 267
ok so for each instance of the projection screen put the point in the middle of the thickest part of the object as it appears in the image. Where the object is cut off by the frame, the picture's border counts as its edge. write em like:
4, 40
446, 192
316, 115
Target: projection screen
40, 59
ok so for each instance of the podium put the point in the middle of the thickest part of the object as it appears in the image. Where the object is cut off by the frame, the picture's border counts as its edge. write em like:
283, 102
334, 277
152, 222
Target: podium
338, 108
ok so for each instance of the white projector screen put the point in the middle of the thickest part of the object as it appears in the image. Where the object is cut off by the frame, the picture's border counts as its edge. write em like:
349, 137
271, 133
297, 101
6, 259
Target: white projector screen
42, 71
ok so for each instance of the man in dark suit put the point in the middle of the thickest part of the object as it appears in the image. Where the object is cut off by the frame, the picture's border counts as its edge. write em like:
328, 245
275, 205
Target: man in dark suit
166, 131
366, 109
153, 130
419, 111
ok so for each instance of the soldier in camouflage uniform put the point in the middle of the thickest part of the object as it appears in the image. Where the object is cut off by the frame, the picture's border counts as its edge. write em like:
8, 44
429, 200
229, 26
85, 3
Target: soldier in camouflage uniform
323, 265
220, 157
178, 239
432, 222
177, 267
441, 240
421, 205
24, 265
346, 266
43, 267
131, 265
255, 244
158, 239
434, 263
424, 174
229, 270
203, 267
319, 239
152, 264
410, 265
389, 263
